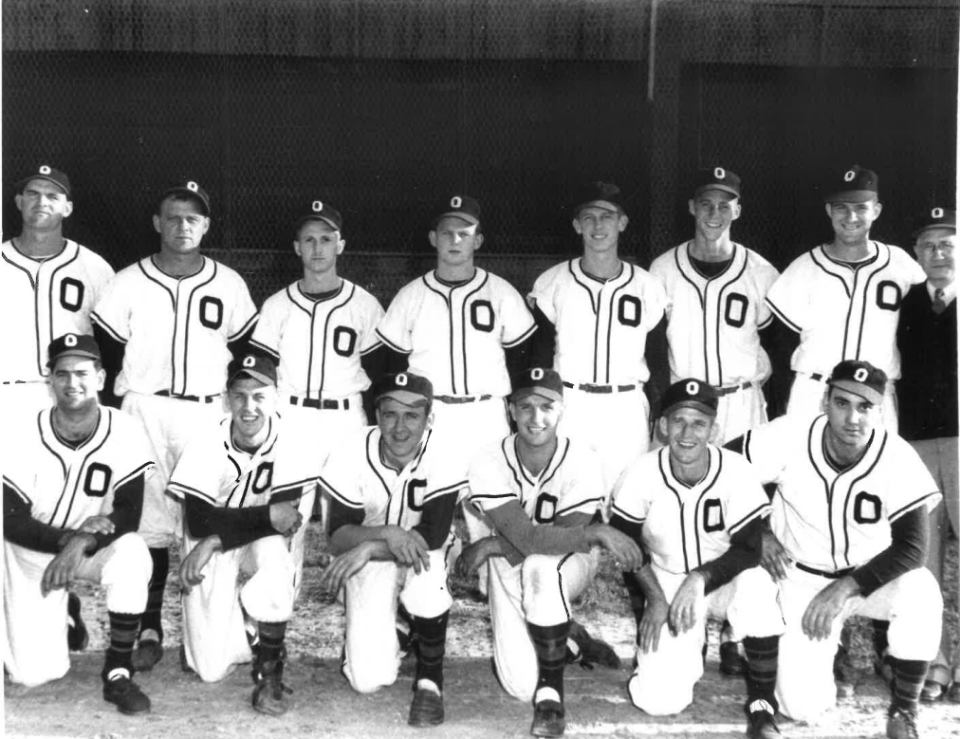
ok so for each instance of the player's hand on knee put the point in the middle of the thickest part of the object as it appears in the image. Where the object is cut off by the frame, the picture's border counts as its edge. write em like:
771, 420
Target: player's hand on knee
773, 557
62, 570
408, 548
97, 525
474, 555
687, 603
344, 566
655, 614
826, 606
623, 548
191, 568
285, 518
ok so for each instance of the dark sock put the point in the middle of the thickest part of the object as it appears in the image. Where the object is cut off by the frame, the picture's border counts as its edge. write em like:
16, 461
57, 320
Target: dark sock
762, 655
880, 629
158, 581
908, 676
550, 644
124, 628
271, 640
637, 600
431, 645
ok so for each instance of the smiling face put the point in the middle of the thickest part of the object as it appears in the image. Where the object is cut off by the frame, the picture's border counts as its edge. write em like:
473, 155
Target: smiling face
43, 205
76, 382
536, 417
318, 245
852, 221
251, 403
401, 429
600, 227
181, 225
714, 211
688, 431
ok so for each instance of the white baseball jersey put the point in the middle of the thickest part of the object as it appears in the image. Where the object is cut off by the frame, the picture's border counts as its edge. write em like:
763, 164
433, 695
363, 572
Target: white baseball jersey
571, 483
712, 322
64, 486
175, 329
845, 313
357, 476
318, 343
455, 336
685, 526
44, 299
832, 520
602, 326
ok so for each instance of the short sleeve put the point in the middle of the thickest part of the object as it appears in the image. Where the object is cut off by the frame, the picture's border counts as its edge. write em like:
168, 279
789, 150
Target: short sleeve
395, 330
629, 500
789, 295
909, 482
112, 309
371, 317
339, 475
747, 500
583, 487
244, 312
764, 448
660, 271
515, 316
654, 300
266, 336
198, 471
544, 292
765, 276
490, 480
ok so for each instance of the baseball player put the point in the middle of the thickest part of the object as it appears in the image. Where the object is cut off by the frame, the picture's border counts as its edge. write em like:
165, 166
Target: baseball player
541, 492
245, 488
848, 536
698, 510
72, 496
394, 489
927, 395
594, 315
169, 322
843, 298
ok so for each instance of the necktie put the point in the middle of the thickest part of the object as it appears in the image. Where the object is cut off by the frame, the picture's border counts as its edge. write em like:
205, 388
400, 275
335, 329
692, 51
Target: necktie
939, 306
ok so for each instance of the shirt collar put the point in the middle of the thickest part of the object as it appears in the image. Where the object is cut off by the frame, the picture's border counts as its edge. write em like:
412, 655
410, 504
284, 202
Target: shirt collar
949, 292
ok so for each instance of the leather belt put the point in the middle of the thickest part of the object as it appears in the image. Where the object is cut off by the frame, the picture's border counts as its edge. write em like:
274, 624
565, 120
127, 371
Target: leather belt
721, 391
18, 382
457, 399
835, 575
588, 388
817, 376
325, 404
194, 398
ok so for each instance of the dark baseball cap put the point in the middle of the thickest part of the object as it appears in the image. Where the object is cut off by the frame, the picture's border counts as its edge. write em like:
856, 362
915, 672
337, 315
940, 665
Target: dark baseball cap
404, 387
860, 378
256, 366
691, 393
72, 345
48, 173
717, 178
536, 381
598, 195
936, 218
320, 211
460, 206
854, 185
191, 190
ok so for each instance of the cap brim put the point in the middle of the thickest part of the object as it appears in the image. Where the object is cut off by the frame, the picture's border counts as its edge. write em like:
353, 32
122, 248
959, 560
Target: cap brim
695, 404
413, 400
457, 214
851, 196
254, 374
306, 219
725, 188
23, 183
190, 194
72, 353
603, 204
935, 227
857, 388
543, 392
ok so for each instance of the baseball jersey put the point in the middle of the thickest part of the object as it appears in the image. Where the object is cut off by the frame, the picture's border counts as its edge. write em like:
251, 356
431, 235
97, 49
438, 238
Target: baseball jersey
213, 469
712, 322
175, 329
685, 526
571, 483
44, 299
65, 486
357, 476
602, 326
318, 343
455, 335
829, 519
842, 312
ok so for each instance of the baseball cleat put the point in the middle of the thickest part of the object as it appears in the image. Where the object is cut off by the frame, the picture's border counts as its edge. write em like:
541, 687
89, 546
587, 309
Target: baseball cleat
760, 721
901, 723
268, 696
731, 662
125, 695
146, 655
932, 691
953, 694
77, 636
426, 708
548, 719
592, 651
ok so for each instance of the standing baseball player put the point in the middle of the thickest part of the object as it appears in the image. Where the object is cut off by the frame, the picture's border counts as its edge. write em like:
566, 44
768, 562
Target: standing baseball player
843, 298
541, 492
698, 511
594, 315
848, 536
168, 323
72, 497
927, 394
394, 490
245, 488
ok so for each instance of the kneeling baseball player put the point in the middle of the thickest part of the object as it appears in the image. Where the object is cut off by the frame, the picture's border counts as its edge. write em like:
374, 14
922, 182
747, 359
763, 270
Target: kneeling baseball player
72, 497
540, 492
698, 510
247, 483
394, 489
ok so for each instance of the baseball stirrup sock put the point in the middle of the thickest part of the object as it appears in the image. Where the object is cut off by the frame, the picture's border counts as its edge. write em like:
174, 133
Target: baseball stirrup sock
761, 675
124, 628
271, 640
908, 676
158, 582
431, 645
550, 644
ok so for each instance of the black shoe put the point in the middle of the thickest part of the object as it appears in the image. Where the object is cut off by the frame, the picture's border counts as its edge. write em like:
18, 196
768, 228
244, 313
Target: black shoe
760, 721
932, 691
901, 723
146, 655
268, 696
77, 636
125, 695
592, 651
426, 709
731, 663
548, 719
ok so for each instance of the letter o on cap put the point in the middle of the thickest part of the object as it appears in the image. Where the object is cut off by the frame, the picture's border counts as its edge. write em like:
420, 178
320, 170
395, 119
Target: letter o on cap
720, 173
848, 177
692, 387
456, 201
861, 374
936, 213
249, 360
536, 374
192, 186
401, 380
44, 169
70, 340
317, 206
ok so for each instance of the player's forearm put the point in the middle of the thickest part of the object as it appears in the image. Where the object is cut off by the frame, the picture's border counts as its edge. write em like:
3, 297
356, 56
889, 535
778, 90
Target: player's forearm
349, 536
542, 344
22, 529
744, 553
553, 540
236, 527
910, 539
127, 507
646, 578
436, 520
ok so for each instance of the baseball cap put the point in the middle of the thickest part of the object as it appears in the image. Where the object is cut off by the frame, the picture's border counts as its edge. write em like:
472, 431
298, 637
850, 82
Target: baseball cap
936, 218
860, 378
257, 366
406, 388
537, 381
691, 393
320, 211
717, 178
191, 190
855, 185
46, 172
72, 345
598, 195
461, 206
